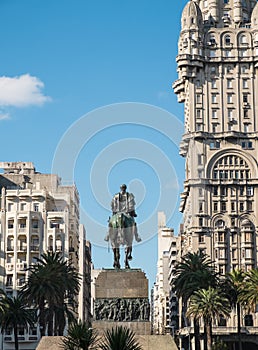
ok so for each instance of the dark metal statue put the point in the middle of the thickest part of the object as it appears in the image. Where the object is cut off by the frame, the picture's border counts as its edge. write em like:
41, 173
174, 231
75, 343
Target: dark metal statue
122, 226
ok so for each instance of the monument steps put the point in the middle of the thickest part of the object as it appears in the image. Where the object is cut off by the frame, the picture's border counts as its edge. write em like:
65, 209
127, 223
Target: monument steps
154, 342
148, 342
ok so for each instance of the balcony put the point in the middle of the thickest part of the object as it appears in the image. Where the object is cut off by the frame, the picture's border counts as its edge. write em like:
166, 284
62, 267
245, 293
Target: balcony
9, 266
20, 283
34, 248
22, 266
9, 284
35, 230
22, 248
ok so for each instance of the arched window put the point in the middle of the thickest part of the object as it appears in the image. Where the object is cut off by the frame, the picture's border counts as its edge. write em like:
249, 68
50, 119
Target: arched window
231, 167
227, 40
220, 223
243, 39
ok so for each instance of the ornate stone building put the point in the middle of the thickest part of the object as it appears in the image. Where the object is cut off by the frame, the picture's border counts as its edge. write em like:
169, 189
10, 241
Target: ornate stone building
161, 290
38, 214
218, 84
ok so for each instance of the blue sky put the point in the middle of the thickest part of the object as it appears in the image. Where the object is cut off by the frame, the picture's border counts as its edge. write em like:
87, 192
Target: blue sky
63, 63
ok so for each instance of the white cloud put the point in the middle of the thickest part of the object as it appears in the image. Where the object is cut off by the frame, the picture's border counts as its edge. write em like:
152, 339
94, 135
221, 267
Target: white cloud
21, 91
4, 116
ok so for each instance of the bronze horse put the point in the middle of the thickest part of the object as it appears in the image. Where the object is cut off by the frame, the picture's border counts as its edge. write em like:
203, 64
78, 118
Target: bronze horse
122, 229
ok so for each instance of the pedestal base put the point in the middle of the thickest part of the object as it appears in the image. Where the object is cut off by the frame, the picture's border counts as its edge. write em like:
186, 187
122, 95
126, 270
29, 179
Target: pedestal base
121, 299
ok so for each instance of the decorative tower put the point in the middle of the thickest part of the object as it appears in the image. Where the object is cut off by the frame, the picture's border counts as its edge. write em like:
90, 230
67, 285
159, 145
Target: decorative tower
218, 84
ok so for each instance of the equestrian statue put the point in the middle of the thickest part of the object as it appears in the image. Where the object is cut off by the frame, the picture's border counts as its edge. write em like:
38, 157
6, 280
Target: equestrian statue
122, 228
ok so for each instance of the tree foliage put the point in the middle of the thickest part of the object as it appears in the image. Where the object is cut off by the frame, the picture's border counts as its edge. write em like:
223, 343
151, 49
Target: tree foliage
80, 337
120, 338
52, 286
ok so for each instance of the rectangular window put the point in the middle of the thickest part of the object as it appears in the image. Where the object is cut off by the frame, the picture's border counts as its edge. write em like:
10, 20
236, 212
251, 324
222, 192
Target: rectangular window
248, 253
212, 53
215, 206
199, 127
230, 113
10, 224
229, 83
36, 207
200, 207
201, 222
215, 190
247, 144
245, 83
246, 127
221, 237
10, 206
223, 191
201, 238
249, 205
213, 83
199, 159
214, 114
246, 115
233, 206
229, 69
23, 206
213, 98
232, 192
249, 191
243, 69
214, 144
200, 192
241, 206
198, 113
242, 190
227, 53
230, 98
198, 98
245, 98
223, 206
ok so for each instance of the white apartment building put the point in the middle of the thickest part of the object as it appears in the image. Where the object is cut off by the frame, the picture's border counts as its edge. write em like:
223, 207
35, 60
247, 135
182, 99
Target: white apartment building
218, 84
161, 290
38, 215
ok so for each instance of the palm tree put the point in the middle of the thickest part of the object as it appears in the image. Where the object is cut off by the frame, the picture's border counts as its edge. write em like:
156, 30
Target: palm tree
52, 286
233, 286
120, 338
249, 293
15, 314
194, 272
80, 337
208, 304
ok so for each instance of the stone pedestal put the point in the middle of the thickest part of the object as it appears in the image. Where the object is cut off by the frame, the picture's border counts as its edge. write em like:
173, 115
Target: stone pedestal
121, 298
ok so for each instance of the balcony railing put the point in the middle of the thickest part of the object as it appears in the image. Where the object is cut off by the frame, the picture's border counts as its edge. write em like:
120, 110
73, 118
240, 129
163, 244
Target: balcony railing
22, 248
22, 266
9, 266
